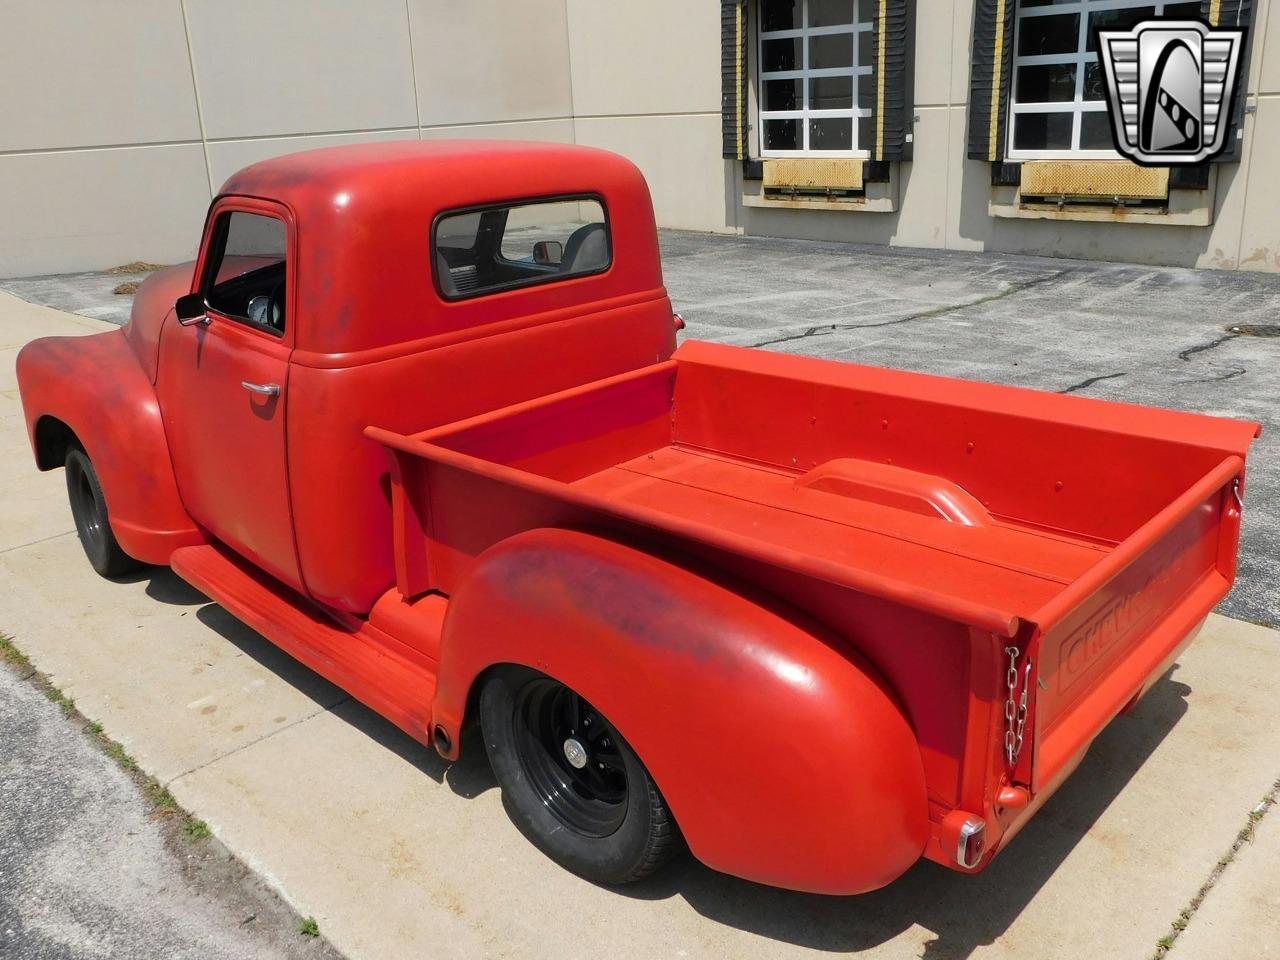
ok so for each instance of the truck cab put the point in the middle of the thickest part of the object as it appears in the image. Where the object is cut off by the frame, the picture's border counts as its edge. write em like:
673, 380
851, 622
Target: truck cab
357, 294
415, 413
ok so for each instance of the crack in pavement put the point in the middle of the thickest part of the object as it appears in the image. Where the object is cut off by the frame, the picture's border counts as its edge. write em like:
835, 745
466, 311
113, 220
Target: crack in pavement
1245, 835
1211, 345
346, 698
1235, 371
827, 329
1091, 381
1230, 375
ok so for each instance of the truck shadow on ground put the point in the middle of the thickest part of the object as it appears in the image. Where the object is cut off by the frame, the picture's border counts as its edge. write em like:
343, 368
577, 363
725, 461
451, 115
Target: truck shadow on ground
469, 777
963, 913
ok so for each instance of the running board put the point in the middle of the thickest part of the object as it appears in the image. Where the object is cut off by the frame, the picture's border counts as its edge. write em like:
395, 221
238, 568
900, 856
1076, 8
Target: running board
375, 668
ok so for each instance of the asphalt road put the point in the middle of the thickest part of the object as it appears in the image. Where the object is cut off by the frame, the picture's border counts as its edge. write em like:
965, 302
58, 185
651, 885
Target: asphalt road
86, 871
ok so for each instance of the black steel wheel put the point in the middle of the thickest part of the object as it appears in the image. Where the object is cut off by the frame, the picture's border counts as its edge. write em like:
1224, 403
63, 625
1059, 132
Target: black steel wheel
570, 782
89, 510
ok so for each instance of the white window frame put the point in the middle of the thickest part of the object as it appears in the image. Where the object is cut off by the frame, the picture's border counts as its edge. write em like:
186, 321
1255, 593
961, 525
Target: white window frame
1081, 58
854, 28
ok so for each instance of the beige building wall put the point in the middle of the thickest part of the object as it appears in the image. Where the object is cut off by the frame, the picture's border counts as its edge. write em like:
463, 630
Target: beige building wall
116, 130
943, 197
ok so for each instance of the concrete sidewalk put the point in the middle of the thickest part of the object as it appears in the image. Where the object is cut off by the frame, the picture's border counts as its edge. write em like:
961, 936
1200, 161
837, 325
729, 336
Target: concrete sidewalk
399, 855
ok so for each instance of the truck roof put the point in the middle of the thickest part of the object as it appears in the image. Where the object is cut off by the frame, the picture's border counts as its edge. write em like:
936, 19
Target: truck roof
316, 176
362, 218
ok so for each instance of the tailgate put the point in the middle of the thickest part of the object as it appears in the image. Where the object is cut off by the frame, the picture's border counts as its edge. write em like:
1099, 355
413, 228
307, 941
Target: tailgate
1111, 633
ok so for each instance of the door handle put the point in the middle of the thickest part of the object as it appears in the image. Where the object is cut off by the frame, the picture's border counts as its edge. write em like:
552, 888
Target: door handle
266, 389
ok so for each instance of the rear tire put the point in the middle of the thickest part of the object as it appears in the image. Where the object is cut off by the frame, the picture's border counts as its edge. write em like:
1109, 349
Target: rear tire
570, 783
89, 509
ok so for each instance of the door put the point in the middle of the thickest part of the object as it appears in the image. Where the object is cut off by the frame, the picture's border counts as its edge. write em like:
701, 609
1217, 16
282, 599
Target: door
223, 385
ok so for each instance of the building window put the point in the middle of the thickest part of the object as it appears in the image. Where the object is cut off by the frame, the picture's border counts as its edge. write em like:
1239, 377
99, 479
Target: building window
1059, 103
816, 91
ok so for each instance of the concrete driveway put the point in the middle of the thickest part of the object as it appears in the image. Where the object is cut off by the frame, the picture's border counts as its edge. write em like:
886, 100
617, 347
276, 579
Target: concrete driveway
399, 855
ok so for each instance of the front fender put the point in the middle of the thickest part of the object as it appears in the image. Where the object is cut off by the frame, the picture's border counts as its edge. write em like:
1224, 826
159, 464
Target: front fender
96, 388
783, 756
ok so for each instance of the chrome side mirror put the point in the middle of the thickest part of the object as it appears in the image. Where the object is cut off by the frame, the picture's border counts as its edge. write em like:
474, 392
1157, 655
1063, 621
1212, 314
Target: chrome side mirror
191, 309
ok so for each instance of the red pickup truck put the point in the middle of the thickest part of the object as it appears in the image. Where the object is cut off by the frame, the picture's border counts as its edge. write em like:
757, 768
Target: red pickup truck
416, 415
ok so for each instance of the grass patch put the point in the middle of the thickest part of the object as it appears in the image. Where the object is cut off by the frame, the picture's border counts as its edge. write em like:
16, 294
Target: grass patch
117, 753
1246, 834
159, 795
126, 288
65, 703
308, 927
135, 266
196, 829
12, 655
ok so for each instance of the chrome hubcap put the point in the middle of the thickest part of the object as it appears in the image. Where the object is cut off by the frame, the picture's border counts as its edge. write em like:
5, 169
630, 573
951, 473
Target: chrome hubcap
575, 753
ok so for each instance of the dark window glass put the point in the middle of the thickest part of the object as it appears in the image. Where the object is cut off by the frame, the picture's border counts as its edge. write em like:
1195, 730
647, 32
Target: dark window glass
1115, 20
1058, 33
1094, 82
867, 92
1182, 11
1095, 131
1047, 83
780, 14
1041, 3
782, 54
245, 277
867, 133
782, 134
831, 93
866, 47
782, 94
1042, 131
831, 133
502, 248
831, 50
830, 13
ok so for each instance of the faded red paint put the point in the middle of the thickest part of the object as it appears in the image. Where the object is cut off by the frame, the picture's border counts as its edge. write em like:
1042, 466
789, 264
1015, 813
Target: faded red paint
790, 583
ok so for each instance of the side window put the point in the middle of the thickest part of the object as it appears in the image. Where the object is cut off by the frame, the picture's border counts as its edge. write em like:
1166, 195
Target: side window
475, 252
245, 276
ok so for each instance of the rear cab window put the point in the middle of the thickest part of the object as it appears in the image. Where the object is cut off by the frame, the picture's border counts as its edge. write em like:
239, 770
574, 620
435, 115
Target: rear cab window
245, 276
507, 246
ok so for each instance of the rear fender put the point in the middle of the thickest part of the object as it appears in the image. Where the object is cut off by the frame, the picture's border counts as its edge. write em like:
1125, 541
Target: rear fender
94, 389
783, 756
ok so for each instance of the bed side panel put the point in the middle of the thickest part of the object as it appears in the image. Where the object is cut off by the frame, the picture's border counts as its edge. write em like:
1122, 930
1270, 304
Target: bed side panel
1026, 455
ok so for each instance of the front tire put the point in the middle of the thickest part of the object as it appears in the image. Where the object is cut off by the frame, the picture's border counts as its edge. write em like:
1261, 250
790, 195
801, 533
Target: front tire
89, 509
570, 782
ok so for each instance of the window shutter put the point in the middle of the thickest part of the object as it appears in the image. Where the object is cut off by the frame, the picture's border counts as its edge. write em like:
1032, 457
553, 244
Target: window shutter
1232, 13
733, 79
989, 79
893, 41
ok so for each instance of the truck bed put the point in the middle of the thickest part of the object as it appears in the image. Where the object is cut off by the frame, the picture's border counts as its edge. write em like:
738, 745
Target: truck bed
1094, 536
978, 502
1000, 564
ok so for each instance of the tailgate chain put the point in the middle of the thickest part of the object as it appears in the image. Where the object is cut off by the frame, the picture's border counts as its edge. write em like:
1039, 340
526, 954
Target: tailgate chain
1015, 710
